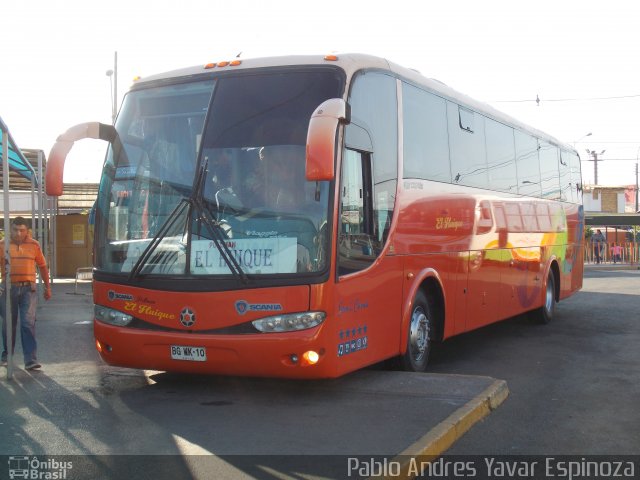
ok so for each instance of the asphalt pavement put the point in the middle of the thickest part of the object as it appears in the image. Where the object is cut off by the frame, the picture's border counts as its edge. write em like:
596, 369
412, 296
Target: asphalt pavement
574, 384
117, 422
237, 427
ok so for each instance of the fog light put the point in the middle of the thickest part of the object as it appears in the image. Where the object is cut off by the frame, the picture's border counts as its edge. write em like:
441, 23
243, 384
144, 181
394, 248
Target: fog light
103, 347
294, 358
311, 357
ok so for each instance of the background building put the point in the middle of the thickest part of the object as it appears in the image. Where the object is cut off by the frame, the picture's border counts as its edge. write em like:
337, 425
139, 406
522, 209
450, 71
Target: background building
61, 225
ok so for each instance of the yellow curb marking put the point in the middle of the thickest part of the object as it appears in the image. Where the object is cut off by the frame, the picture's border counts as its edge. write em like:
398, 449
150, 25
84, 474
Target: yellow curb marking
442, 436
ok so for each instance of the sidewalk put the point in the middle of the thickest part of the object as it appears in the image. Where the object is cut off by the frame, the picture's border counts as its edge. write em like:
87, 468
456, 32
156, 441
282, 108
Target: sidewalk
611, 266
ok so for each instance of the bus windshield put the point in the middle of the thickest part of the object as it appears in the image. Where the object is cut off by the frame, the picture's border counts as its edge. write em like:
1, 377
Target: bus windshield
220, 160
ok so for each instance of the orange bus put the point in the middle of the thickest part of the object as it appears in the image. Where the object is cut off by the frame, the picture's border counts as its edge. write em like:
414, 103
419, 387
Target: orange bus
307, 216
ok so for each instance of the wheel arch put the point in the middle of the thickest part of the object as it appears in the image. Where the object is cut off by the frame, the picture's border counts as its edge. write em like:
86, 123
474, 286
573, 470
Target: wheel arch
429, 282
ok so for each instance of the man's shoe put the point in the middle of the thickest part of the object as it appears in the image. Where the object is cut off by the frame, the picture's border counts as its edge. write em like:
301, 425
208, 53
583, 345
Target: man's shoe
3, 362
32, 366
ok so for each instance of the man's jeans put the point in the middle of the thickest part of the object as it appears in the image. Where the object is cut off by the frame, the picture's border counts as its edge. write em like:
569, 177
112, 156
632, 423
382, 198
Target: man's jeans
23, 302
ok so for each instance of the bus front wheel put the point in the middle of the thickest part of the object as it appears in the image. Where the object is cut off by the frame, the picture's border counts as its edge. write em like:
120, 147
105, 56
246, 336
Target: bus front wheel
420, 333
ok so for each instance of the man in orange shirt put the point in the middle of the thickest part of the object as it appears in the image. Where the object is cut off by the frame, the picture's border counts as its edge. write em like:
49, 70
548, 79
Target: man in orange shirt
25, 254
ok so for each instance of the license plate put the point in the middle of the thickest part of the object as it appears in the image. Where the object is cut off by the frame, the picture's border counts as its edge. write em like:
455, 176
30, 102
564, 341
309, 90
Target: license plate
192, 354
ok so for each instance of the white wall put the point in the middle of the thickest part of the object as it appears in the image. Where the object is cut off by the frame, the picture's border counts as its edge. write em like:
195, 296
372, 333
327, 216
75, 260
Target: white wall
20, 203
591, 204
621, 202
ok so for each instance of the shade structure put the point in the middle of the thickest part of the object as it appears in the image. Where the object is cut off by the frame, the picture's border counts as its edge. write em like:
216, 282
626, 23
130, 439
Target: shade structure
17, 161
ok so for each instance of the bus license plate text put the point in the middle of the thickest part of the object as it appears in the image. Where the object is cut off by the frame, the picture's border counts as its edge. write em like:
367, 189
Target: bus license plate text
193, 354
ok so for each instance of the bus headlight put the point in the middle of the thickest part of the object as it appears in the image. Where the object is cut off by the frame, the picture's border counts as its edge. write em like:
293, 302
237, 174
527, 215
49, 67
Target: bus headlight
112, 317
290, 322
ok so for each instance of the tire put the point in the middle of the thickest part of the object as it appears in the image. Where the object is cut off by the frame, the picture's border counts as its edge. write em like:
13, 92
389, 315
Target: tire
546, 313
419, 336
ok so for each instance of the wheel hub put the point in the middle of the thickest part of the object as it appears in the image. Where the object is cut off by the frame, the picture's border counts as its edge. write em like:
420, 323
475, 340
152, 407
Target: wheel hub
419, 334
548, 300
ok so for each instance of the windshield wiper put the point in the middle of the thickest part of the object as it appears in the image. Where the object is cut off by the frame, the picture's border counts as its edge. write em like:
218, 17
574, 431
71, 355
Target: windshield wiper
219, 237
162, 233
218, 234
215, 229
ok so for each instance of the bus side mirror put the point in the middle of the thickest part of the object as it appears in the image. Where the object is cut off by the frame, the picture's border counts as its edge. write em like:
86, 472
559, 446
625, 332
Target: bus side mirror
60, 149
321, 138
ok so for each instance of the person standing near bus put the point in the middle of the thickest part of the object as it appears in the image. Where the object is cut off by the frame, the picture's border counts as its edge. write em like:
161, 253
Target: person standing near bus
25, 255
598, 242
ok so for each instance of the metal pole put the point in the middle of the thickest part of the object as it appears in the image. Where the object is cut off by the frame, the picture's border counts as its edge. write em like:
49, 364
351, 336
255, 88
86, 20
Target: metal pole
636, 188
40, 201
34, 230
54, 236
7, 257
115, 86
42, 211
35, 227
46, 232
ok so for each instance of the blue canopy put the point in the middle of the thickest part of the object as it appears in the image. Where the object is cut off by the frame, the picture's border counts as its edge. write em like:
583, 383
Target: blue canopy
17, 161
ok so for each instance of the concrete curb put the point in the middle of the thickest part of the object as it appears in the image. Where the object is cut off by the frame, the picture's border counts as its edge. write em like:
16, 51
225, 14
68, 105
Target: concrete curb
443, 435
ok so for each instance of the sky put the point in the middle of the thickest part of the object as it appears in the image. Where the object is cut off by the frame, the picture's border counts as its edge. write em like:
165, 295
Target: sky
572, 55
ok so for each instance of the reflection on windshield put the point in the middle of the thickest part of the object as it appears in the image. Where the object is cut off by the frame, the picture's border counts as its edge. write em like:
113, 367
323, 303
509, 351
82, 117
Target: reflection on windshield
273, 218
253, 194
160, 129
268, 178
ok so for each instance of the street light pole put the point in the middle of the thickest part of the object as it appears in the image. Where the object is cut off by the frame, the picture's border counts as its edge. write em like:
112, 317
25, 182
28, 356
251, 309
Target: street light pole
584, 136
637, 188
637, 155
113, 88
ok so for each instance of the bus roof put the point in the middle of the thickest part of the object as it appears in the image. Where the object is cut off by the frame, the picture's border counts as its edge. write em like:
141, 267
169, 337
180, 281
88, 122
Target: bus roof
351, 63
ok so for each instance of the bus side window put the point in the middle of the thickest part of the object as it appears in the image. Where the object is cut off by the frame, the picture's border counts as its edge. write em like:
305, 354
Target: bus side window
357, 244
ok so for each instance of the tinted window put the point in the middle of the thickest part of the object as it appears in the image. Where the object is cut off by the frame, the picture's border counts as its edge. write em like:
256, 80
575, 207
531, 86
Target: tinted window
549, 180
467, 119
269, 109
426, 144
467, 147
576, 176
527, 164
501, 156
374, 106
144, 182
567, 189
357, 245
374, 109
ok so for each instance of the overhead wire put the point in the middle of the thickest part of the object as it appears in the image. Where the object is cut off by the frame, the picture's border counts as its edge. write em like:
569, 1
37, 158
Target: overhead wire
539, 100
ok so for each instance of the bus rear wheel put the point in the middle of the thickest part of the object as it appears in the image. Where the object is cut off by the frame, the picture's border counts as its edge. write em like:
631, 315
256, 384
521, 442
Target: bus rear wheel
419, 337
546, 313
